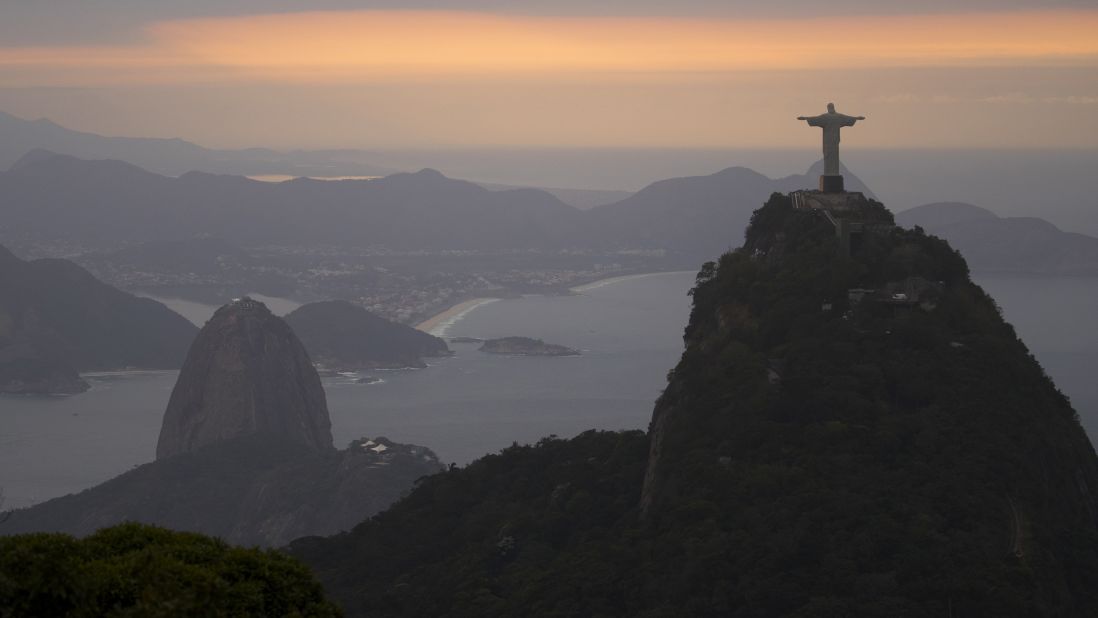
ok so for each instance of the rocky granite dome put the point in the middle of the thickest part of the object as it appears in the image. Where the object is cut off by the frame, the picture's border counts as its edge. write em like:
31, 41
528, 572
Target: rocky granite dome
852, 430
245, 374
245, 450
341, 335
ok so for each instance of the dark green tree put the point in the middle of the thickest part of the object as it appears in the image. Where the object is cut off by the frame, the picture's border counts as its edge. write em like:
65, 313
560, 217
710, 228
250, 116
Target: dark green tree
137, 570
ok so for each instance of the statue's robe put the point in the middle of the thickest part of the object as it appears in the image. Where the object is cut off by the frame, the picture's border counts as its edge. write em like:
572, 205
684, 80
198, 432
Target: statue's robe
831, 122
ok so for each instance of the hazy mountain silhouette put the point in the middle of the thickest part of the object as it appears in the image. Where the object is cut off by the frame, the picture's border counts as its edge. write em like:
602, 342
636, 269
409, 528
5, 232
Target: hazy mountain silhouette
173, 156
106, 202
56, 318
63, 309
583, 199
992, 243
942, 214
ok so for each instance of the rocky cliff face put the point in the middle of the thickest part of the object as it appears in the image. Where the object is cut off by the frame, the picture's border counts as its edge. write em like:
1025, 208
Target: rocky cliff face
246, 374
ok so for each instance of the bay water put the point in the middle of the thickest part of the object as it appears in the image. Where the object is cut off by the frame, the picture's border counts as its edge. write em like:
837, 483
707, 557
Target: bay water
473, 403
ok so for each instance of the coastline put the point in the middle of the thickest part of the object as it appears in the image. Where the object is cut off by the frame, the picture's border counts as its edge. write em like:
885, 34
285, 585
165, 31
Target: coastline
438, 324
594, 285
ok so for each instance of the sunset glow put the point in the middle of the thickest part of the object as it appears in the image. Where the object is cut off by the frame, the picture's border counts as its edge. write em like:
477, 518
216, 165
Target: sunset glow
429, 77
368, 45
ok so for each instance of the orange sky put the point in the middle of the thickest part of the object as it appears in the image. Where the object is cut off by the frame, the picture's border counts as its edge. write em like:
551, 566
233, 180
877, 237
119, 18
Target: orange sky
441, 56
365, 45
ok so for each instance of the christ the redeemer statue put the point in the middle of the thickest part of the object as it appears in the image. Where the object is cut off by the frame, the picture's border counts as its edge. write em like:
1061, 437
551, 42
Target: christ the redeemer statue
831, 122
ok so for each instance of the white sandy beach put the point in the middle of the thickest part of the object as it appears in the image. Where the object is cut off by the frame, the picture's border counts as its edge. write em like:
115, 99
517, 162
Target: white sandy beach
439, 324
612, 280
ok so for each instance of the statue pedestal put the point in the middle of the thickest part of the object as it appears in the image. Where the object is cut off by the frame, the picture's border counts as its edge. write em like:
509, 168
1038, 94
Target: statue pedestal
831, 184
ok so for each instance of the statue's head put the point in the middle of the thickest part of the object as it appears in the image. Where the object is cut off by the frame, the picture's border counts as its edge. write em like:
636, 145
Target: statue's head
831, 108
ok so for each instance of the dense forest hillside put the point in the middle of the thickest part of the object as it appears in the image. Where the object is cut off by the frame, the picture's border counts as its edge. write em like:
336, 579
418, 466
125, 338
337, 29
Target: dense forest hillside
847, 434
135, 570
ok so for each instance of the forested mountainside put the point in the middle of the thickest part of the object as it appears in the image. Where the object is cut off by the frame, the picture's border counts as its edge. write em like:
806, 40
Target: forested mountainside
846, 434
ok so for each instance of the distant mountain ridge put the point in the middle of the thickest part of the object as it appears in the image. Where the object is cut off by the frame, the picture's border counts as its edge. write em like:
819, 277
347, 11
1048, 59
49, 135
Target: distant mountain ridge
174, 156
990, 243
110, 202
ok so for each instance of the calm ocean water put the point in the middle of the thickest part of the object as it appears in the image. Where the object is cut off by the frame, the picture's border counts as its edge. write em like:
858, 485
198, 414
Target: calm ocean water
462, 407
473, 403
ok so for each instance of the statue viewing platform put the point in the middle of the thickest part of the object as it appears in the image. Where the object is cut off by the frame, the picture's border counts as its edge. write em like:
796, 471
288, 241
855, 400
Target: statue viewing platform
846, 201
851, 213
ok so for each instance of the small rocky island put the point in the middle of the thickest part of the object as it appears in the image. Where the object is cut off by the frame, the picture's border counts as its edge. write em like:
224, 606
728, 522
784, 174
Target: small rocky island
525, 346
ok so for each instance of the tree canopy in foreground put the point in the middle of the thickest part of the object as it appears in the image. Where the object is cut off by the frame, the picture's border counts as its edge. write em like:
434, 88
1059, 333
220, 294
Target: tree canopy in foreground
138, 570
